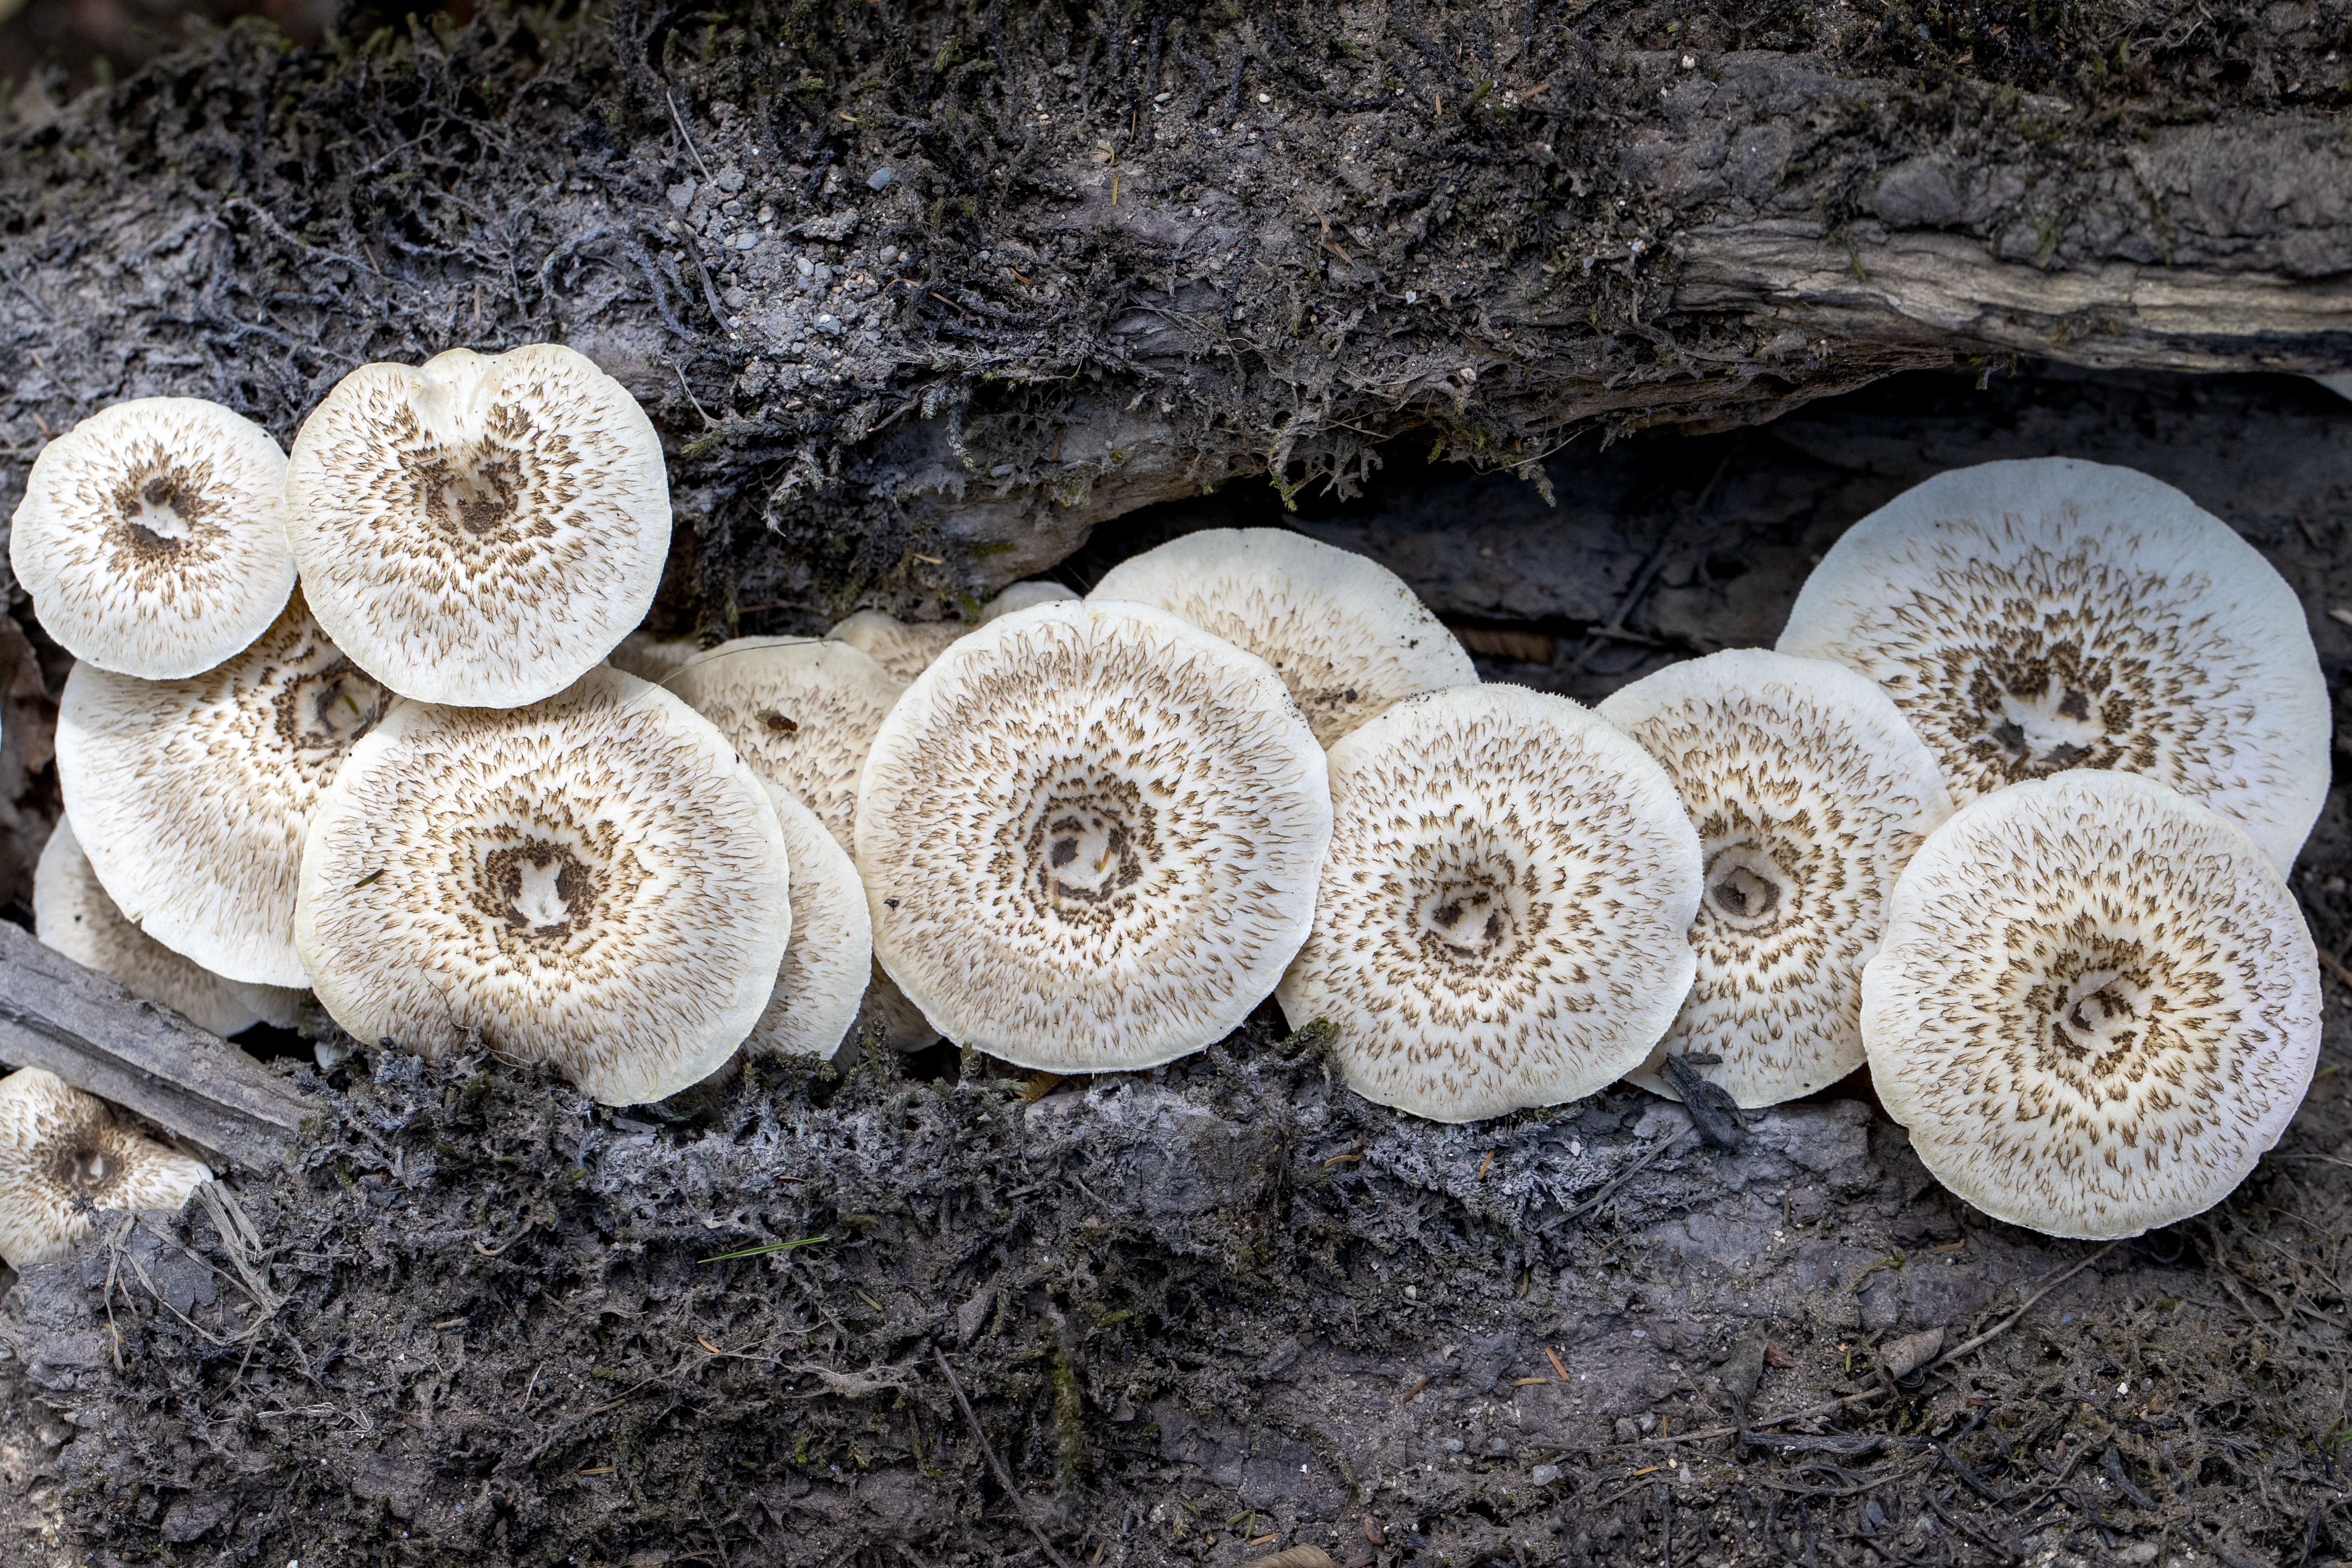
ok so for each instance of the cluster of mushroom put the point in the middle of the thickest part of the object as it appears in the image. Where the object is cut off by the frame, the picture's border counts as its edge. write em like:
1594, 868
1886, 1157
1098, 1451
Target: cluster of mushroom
1094, 835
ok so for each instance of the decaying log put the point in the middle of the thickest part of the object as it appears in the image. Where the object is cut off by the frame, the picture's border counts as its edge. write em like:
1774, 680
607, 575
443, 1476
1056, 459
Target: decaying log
919, 294
90, 1031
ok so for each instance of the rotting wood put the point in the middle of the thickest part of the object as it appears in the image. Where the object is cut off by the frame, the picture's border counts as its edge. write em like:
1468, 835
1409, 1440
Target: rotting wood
90, 1031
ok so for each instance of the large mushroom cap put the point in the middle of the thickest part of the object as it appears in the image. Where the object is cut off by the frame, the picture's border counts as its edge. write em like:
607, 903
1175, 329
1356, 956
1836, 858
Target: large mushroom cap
60, 1147
1504, 914
480, 530
1088, 835
596, 882
903, 648
191, 796
2094, 1006
2034, 616
831, 954
72, 914
1811, 794
152, 536
1344, 633
802, 713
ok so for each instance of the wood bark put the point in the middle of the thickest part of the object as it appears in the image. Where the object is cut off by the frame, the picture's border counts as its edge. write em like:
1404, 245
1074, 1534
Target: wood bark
90, 1031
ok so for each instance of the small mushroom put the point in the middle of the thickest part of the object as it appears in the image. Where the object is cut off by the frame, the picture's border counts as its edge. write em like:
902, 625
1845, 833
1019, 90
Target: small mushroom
191, 796
1024, 596
72, 914
596, 881
153, 537
1089, 835
802, 713
1811, 794
831, 953
2094, 1006
651, 657
63, 1154
1344, 633
2032, 616
903, 648
1504, 914
480, 530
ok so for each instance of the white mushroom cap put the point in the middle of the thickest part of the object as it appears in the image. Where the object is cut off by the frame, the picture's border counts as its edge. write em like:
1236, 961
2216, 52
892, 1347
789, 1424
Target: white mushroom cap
823, 979
481, 530
1089, 836
649, 658
802, 713
903, 648
1024, 596
1344, 633
191, 796
60, 1146
1811, 794
2034, 616
596, 882
2095, 1008
72, 914
152, 536
1504, 914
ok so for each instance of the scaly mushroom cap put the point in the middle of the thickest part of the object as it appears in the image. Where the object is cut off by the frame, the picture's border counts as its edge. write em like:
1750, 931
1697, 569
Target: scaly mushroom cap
2095, 1004
60, 1146
191, 796
152, 536
802, 713
1344, 633
902, 1024
649, 658
596, 882
1504, 914
905, 650
481, 530
1088, 835
823, 976
1811, 794
1024, 596
2029, 617
72, 914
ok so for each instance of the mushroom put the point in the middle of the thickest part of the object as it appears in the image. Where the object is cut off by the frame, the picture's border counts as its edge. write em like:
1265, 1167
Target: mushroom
190, 796
596, 882
2094, 1006
1024, 596
62, 1155
2034, 616
802, 713
651, 657
1089, 835
825, 964
481, 530
1504, 914
1811, 794
72, 914
1346, 634
153, 537
903, 648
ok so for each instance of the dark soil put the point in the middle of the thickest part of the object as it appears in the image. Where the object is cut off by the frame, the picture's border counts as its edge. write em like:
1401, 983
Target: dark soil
1223, 1307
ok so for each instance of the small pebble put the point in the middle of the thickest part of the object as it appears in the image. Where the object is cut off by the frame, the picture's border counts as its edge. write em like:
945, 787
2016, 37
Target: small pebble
1544, 1475
879, 180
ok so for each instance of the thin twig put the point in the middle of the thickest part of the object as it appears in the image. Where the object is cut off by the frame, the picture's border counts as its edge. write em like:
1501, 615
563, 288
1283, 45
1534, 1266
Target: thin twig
691, 149
1004, 1475
2024, 1307
1628, 1172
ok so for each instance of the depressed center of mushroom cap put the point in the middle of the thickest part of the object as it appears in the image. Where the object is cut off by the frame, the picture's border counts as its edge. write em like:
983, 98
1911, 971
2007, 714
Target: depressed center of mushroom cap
1745, 885
542, 881
1476, 895
161, 504
93, 1161
469, 458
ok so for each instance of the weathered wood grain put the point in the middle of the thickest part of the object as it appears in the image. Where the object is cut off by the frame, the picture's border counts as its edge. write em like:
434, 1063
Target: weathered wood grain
90, 1031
